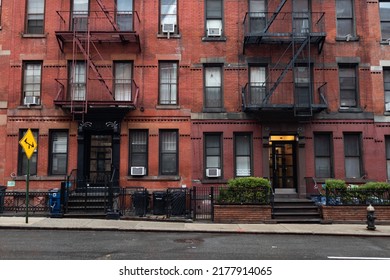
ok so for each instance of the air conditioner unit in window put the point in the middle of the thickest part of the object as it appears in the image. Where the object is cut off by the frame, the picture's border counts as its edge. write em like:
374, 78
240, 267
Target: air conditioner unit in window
31, 100
387, 107
213, 172
215, 31
168, 28
138, 171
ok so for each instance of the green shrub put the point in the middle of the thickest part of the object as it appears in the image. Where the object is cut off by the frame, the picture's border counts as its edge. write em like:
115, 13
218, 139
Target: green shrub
246, 190
332, 184
376, 186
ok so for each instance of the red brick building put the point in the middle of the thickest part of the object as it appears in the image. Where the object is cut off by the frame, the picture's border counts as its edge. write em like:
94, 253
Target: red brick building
185, 93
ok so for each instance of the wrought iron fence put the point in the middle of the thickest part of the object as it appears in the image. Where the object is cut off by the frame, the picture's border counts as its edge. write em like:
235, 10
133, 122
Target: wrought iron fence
357, 196
15, 202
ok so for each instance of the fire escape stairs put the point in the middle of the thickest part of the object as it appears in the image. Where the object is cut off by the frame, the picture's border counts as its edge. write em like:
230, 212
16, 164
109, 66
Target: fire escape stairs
287, 68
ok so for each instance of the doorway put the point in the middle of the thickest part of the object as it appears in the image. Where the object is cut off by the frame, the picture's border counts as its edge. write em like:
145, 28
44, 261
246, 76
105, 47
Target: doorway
99, 158
282, 162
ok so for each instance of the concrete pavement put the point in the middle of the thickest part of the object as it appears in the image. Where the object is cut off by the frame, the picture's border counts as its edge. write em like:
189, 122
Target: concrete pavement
166, 226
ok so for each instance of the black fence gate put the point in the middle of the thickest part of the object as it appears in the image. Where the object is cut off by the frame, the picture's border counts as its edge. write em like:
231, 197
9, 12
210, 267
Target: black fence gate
203, 199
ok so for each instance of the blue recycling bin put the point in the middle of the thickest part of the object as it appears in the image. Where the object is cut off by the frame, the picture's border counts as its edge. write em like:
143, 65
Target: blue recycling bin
55, 202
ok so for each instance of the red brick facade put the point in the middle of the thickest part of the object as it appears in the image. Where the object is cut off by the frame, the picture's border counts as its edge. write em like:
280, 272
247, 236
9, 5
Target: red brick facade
194, 51
353, 213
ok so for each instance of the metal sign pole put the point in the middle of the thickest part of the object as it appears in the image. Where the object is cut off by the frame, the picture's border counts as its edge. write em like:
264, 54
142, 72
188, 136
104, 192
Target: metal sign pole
27, 187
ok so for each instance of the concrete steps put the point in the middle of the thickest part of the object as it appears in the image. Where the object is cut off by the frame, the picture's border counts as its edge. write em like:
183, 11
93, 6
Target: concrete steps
295, 210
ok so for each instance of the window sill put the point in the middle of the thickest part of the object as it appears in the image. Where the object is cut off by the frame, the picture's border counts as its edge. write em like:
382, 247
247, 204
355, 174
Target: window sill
387, 113
167, 107
214, 39
350, 110
214, 181
171, 36
41, 178
154, 178
347, 39
214, 110
30, 107
25, 35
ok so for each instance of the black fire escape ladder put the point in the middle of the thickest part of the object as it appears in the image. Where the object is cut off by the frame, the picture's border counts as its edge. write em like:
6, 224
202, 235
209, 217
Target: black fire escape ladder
288, 67
92, 65
274, 15
108, 16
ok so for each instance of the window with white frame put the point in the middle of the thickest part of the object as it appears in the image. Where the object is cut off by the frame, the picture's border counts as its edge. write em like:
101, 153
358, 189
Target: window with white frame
80, 11
123, 80
35, 16
77, 80
348, 85
124, 15
213, 87
353, 155
384, 12
386, 81
345, 19
243, 154
32, 79
213, 154
58, 153
168, 16
138, 149
214, 18
257, 84
168, 83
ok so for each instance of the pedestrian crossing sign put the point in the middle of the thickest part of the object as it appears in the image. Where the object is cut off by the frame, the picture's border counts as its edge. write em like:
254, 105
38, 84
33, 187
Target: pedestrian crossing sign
28, 143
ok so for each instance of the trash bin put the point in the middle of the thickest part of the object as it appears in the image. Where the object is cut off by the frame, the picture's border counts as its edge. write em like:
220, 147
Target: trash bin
2, 195
177, 199
140, 202
55, 202
159, 202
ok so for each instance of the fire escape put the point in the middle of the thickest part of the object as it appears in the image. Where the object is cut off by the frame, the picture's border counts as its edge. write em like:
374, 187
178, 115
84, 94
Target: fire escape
293, 36
87, 38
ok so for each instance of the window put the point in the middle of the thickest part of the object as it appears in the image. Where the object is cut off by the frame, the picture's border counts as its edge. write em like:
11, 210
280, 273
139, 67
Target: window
243, 154
77, 80
213, 155
168, 16
168, 83
353, 155
302, 86
387, 142
257, 84
323, 155
257, 16
213, 87
138, 149
348, 86
386, 79
345, 19
123, 80
301, 10
32, 83
169, 152
80, 15
384, 11
58, 153
214, 19
124, 15
22, 158
35, 16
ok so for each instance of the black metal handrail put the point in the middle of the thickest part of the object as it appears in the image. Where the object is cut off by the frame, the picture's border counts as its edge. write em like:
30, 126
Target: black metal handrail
15, 201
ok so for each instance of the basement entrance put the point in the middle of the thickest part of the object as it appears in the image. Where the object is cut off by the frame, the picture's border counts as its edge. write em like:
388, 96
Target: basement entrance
282, 162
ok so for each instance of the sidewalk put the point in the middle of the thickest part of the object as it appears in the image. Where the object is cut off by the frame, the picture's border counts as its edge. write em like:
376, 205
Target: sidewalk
139, 225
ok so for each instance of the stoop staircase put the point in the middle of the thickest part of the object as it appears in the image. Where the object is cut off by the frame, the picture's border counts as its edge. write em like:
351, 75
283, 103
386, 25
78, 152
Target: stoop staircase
295, 210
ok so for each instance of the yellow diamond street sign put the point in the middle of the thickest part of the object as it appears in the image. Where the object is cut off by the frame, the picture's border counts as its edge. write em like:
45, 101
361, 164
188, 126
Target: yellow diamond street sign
28, 143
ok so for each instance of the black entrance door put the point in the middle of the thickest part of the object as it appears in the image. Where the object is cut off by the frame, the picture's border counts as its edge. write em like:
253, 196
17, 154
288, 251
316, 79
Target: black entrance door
99, 159
283, 164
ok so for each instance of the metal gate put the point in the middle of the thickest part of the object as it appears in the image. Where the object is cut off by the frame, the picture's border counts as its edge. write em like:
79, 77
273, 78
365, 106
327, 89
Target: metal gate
203, 199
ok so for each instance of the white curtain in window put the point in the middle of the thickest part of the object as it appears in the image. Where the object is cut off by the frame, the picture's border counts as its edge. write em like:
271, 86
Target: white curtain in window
123, 81
168, 11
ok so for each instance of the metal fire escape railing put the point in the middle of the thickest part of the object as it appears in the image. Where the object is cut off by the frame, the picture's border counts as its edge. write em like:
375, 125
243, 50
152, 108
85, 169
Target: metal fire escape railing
296, 29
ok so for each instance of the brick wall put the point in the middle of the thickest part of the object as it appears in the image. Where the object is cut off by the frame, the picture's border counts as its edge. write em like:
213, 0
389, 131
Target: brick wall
242, 213
354, 213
